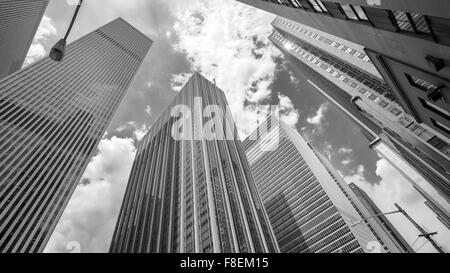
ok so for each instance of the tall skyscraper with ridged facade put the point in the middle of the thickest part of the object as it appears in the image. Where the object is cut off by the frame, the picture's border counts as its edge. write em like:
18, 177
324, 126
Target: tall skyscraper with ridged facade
309, 213
386, 234
52, 116
19, 21
194, 194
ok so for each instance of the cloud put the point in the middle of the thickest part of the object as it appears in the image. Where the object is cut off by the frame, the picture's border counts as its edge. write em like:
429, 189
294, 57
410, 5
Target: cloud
319, 116
45, 31
178, 80
227, 42
345, 162
395, 189
345, 150
91, 214
148, 110
137, 131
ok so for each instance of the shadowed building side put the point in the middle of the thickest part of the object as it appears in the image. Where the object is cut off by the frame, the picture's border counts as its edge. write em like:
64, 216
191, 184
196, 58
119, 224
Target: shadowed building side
19, 21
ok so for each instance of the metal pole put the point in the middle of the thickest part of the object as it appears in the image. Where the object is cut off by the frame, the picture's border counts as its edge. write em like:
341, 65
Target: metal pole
73, 20
423, 232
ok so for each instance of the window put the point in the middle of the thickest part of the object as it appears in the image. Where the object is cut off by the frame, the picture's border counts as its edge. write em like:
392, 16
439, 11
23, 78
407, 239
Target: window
421, 84
395, 111
349, 12
411, 22
372, 97
420, 23
296, 4
383, 103
318, 5
354, 12
442, 127
360, 12
402, 21
438, 143
434, 108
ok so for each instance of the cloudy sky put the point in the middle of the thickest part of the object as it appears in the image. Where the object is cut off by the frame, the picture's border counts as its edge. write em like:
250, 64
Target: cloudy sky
226, 41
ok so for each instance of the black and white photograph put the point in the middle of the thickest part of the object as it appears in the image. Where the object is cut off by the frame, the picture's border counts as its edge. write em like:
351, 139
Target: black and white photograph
248, 128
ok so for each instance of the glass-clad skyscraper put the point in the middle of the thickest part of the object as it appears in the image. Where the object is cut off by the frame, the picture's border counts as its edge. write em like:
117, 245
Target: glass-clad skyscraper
309, 213
193, 194
19, 21
52, 116
386, 234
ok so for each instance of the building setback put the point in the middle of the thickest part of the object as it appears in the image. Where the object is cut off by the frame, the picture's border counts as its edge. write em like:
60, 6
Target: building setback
309, 213
19, 22
52, 116
195, 194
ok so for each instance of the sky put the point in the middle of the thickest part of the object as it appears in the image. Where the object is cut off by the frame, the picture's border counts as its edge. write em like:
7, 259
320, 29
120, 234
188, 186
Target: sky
227, 42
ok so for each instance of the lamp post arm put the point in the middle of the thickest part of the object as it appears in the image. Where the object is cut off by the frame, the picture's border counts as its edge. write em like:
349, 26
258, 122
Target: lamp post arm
73, 19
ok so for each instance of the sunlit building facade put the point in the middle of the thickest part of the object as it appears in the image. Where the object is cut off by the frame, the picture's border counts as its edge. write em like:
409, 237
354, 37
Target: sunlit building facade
52, 116
195, 194
309, 213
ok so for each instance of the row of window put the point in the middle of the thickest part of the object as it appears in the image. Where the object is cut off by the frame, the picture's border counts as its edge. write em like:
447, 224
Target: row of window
331, 69
401, 21
315, 35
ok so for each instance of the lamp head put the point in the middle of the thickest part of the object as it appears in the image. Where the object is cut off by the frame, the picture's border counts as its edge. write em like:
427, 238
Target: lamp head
58, 50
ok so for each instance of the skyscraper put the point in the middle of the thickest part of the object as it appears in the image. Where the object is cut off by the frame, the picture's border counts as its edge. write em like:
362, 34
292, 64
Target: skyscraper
407, 41
386, 234
309, 213
342, 72
196, 193
18, 24
52, 116
382, 220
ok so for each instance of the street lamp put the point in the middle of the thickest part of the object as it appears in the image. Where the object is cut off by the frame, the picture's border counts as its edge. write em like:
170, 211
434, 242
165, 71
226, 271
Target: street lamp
423, 232
59, 49
374, 216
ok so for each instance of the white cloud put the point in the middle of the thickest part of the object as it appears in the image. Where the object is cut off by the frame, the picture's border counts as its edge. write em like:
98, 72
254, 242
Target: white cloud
345, 150
395, 189
91, 214
138, 131
45, 31
178, 80
227, 41
317, 118
148, 110
346, 162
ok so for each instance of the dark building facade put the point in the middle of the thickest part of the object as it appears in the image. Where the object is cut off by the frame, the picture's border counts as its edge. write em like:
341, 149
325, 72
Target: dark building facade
19, 21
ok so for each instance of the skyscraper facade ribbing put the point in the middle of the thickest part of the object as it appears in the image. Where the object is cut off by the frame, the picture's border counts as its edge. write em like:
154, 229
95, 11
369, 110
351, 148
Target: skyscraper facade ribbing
52, 116
309, 213
386, 234
380, 219
19, 21
195, 194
